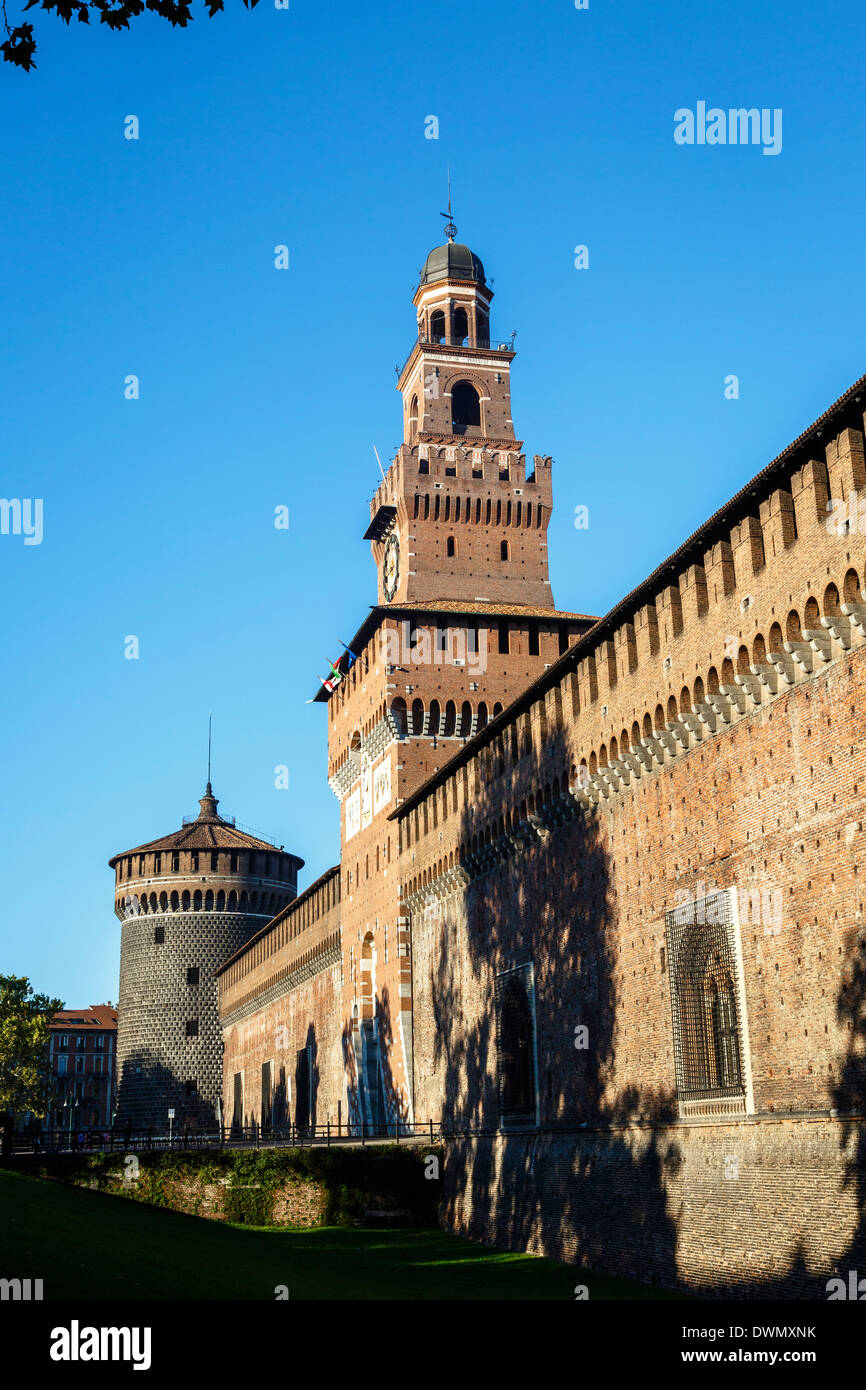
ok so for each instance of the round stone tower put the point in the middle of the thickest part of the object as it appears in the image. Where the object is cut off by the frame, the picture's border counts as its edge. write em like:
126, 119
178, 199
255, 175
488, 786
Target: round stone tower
186, 903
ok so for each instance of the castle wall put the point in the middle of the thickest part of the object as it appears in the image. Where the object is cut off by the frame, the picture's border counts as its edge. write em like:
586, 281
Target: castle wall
639, 774
762, 1210
279, 997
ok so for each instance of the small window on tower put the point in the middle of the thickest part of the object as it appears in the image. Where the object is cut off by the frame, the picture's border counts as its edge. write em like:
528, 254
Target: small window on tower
437, 326
413, 416
195, 861
503, 550
461, 327
158, 936
451, 547
175, 863
214, 863
533, 641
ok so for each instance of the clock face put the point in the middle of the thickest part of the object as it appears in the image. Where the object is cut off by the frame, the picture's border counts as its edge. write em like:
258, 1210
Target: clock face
391, 567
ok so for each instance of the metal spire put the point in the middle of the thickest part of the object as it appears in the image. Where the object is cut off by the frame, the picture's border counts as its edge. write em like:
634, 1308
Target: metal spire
209, 725
450, 228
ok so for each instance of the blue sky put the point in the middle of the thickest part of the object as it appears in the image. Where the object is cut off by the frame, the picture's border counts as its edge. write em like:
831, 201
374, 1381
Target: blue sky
261, 387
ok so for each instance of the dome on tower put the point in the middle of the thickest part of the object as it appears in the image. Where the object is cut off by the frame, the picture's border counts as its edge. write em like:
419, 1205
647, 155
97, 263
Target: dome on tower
453, 261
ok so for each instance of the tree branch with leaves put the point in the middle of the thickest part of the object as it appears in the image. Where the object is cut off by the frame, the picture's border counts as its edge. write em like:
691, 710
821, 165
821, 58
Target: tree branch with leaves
20, 45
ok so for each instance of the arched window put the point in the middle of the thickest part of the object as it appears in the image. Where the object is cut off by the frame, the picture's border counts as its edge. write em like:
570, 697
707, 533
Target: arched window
792, 627
482, 331
461, 327
451, 547
450, 719
437, 326
435, 716
398, 715
465, 719
503, 550
413, 416
706, 1014
482, 716
417, 716
465, 407
723, 1029
852, 588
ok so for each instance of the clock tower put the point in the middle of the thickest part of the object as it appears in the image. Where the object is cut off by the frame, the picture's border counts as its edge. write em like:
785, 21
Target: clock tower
457, 516
464, 622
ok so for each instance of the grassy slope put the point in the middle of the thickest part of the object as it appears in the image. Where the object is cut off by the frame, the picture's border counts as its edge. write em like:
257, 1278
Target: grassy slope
89, 1245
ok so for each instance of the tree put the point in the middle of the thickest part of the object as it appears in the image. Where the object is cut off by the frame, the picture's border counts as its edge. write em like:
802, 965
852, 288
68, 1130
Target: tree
20, 44
25, 1018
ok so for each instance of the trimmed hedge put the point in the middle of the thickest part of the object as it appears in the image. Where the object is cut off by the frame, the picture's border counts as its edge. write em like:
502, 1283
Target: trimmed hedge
263, 1187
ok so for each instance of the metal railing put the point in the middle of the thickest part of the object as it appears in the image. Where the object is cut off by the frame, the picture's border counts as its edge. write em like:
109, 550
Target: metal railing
488, 342
253, 1135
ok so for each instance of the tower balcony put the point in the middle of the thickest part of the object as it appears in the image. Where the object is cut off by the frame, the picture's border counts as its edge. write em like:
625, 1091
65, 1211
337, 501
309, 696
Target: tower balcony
488, 343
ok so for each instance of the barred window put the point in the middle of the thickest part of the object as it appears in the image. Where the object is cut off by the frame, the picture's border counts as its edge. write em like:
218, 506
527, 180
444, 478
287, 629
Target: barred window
515, 1040
707, 1005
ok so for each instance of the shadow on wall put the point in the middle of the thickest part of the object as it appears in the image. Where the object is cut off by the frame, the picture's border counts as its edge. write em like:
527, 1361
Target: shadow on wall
147, 1090
540, 895
849, 1094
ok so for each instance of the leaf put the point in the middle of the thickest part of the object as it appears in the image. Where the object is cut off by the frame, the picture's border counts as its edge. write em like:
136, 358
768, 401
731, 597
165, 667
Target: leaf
20, 47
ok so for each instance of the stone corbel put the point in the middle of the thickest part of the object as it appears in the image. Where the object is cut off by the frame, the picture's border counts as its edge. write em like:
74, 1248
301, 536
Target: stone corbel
857, 613
767, 675
751, 684
737, 696
642, 755
634, 763
693, 724
840, 628
654, 746
721, 704
680, 732
802, 653
667, 741
707, 715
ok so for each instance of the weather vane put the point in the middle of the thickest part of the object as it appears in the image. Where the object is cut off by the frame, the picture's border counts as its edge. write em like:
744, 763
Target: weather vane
450, 229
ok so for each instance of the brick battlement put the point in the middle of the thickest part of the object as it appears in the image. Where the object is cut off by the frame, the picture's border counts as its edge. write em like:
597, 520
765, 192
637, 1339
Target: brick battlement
750, 606
481, 469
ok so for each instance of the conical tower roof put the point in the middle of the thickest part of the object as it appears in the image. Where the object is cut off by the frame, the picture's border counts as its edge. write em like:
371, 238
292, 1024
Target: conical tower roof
209, 830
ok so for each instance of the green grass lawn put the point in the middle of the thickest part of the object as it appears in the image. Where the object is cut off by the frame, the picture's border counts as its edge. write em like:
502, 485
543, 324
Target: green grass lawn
93, 1246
